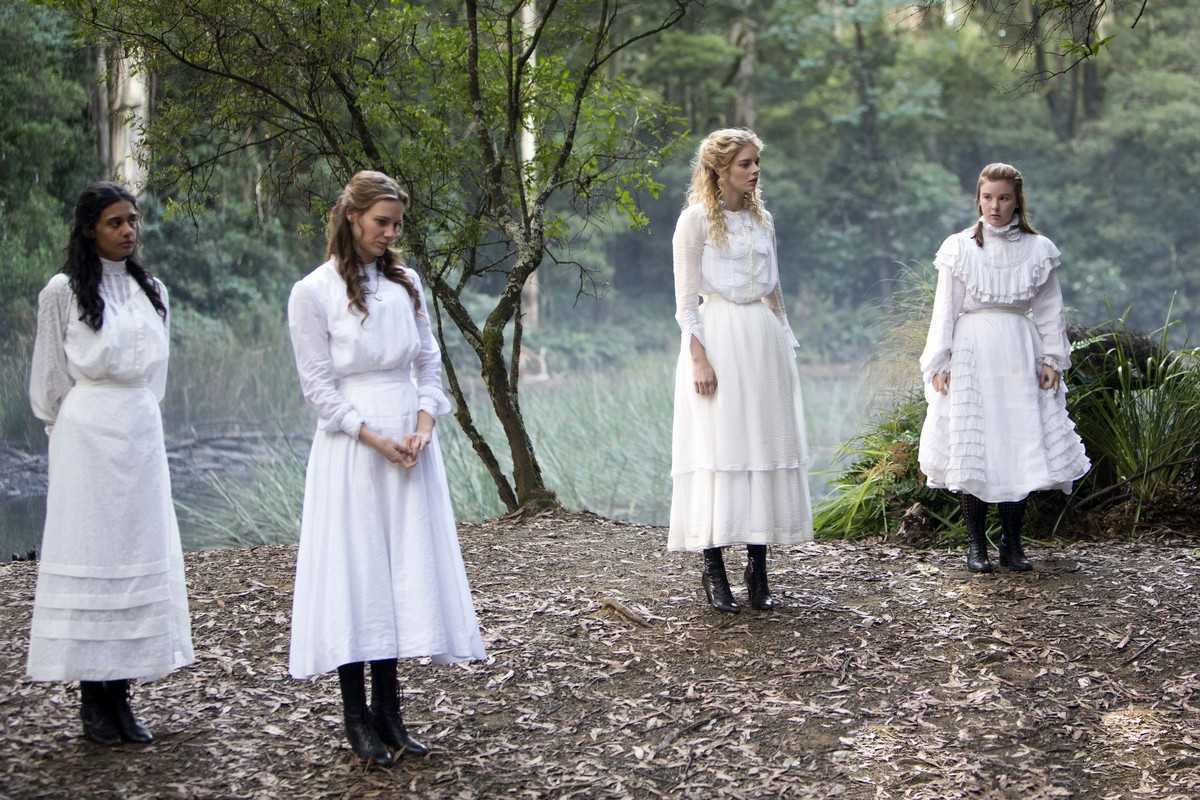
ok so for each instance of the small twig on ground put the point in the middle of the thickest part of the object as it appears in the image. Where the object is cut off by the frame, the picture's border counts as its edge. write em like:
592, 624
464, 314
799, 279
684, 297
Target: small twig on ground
1138, 654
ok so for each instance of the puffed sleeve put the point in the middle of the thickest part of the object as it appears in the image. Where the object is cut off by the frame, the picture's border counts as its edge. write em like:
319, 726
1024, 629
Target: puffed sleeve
158, 380
427, 366
309, 328
1047, 310
947, 304
49, 380
774, 300
687, 247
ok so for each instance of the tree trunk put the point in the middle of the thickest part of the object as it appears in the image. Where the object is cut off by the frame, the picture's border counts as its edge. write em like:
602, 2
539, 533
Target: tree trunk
122, 110
742, 36
531, 296
872, 161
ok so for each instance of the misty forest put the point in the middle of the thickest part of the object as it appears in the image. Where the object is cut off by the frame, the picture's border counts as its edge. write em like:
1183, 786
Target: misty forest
547, 148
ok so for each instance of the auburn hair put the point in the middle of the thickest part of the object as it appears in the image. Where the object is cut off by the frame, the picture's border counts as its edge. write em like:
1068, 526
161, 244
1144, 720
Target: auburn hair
1002, 172
364, 190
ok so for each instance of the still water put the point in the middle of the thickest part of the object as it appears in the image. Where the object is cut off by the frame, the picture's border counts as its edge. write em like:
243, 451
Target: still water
22, 518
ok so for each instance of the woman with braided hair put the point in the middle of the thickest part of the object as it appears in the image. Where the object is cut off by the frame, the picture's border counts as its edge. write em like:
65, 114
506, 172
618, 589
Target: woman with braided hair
111, 604
739, 451
997, 427
379, 574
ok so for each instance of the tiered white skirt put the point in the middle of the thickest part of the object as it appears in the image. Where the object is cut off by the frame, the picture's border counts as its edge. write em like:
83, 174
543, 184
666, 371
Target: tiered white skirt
997, 434
111, 601
740, 457
379, 573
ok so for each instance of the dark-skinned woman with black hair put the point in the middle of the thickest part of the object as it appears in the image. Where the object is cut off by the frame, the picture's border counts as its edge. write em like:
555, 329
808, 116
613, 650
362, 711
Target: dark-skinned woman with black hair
111, 604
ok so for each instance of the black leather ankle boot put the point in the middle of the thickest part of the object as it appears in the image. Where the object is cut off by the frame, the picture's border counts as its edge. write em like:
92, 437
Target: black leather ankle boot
96, 714
756, 578
716, 582
364, 741
1012, 554
118, 702
385, 710
975, 516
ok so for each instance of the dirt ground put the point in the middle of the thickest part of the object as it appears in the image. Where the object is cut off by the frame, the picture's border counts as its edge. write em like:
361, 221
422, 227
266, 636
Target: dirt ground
887, 673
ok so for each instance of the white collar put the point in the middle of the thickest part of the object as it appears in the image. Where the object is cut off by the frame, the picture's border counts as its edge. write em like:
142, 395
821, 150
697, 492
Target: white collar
1012, 231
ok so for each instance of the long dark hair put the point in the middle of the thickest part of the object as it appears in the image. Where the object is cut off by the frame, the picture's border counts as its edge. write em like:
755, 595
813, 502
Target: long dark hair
364, 190
82, 266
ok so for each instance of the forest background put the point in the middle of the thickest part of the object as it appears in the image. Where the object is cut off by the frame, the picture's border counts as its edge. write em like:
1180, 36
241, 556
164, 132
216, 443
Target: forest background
877, 117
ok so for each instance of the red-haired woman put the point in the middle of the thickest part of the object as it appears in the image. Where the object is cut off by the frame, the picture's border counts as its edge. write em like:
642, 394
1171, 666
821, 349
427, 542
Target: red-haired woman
997, 425
379, 574
111, 603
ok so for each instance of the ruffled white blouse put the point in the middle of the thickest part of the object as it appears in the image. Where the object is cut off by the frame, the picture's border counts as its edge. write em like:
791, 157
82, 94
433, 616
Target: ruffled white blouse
333, 341
1015, 271
745, 270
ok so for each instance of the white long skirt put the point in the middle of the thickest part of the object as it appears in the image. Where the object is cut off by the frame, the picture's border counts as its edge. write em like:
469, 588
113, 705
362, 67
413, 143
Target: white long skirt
997, 434
379, 573
111, 602
740, 456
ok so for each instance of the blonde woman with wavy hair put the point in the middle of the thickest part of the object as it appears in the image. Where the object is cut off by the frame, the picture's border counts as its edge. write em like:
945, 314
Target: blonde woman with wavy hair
996, 427
379, 574
739, 452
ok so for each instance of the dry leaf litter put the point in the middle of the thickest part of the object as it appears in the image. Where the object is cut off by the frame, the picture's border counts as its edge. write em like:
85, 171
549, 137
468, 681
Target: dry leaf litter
887, 673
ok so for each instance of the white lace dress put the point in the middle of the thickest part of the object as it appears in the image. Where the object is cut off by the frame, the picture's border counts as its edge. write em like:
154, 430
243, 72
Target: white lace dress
379, 573
111, 601
739, 457
997, 318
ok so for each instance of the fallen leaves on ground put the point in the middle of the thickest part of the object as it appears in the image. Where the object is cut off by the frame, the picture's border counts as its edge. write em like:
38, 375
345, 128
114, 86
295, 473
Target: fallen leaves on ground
887, 673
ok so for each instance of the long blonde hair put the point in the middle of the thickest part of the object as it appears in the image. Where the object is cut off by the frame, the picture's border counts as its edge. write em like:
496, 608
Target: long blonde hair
364, 190
1000, 171
713, 159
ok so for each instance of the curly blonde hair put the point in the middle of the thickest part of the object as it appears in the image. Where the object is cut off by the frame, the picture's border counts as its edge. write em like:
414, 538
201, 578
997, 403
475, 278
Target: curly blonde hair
1000, 171
713, 159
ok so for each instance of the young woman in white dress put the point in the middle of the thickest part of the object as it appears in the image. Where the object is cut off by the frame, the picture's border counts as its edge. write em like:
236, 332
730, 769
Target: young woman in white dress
997, 427
111, 603
739, 452
380, 575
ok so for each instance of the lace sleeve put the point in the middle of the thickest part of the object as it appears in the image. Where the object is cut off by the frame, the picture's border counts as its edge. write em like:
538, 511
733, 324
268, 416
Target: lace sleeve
774, 300
309, 328
49, 380
687, 248
427, 367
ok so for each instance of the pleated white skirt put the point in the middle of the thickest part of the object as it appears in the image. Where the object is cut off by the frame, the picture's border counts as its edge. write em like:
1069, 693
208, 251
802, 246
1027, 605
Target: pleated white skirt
379, 572
111, 602
739, 464
997, 434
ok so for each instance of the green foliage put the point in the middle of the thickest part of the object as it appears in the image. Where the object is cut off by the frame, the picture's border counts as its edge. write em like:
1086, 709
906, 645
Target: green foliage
45, 155
238, 370
219, 259
883, 480
1137, 407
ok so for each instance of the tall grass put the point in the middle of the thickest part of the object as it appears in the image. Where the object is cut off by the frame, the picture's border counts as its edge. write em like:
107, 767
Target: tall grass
1139, 415
238, 373
18, 426
603, 440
